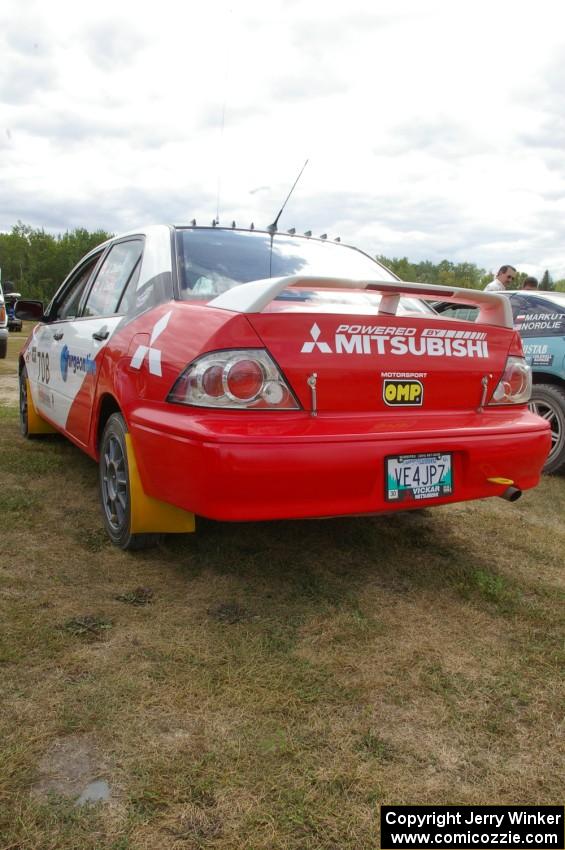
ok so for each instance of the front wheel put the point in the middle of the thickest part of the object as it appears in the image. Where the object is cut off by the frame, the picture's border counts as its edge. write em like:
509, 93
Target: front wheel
25, 402
548, 401
115, 489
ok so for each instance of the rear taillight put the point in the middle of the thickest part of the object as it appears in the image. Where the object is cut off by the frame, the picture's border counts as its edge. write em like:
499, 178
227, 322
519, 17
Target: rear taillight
515, 386
240, 379
2, 313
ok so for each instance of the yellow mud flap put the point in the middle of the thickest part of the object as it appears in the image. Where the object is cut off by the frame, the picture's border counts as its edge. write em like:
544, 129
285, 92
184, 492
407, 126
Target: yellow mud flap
35, 423
151, 516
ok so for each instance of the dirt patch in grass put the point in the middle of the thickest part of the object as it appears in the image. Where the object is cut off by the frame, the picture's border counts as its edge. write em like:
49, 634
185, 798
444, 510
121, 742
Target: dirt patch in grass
9, 390
269, 685
69, 766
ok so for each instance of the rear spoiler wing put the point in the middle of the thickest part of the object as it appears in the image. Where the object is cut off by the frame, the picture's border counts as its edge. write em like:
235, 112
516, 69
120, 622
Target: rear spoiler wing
494, 309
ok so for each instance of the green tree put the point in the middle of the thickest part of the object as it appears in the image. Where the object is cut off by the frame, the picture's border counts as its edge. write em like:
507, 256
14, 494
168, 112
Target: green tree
447, 273
37, 262
546, 281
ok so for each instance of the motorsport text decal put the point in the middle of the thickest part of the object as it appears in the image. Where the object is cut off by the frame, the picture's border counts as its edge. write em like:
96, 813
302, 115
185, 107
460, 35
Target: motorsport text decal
472, 826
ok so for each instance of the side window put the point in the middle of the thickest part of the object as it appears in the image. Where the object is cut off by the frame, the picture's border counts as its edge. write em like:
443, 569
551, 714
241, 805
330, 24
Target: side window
536, 317
68, 307
114, 274
137, 299
128, 299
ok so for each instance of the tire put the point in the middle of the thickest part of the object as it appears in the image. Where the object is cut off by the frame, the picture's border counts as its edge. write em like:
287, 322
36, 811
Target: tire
548, 401
24, 406
3, 347
115, 491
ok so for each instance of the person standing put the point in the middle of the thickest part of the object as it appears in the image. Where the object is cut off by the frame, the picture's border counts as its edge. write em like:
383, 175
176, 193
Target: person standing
503, 280
530, 283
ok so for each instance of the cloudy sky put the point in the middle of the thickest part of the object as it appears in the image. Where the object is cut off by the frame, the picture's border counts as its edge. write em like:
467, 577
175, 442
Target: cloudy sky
433, 130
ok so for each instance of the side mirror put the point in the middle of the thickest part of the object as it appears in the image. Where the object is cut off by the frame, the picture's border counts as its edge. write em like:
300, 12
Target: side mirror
31, 311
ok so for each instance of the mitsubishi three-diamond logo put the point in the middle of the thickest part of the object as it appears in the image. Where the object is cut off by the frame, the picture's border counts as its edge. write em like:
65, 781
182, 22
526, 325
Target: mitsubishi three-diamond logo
309, 347
154, 354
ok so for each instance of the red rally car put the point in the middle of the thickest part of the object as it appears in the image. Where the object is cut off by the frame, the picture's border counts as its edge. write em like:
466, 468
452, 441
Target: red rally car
249, 375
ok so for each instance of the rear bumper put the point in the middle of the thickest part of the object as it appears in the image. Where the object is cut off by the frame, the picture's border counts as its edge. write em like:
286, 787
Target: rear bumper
293, 465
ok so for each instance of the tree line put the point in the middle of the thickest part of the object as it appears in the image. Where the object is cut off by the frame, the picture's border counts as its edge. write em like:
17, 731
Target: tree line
36, 262
467, 275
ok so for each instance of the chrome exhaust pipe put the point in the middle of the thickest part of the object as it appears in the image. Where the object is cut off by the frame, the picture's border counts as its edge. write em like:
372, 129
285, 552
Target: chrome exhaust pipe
511, 494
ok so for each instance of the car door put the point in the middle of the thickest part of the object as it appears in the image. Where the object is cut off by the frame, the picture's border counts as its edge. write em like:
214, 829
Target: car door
86, 337
44, 362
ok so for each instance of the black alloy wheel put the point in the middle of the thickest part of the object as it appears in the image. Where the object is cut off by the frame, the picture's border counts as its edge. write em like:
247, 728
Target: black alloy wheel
115, 490
548, 401
24, 402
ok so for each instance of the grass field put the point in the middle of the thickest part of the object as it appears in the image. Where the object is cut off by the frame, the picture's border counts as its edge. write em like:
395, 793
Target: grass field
268, 685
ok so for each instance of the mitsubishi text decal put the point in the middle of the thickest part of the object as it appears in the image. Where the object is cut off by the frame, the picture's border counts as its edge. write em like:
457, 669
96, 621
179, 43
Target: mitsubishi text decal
384, 339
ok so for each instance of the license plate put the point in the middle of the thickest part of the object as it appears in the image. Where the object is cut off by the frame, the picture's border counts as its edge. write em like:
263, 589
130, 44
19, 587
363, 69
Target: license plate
416, 477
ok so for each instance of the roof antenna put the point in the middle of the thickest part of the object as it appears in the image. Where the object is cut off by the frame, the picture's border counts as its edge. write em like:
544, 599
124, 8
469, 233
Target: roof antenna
272, 228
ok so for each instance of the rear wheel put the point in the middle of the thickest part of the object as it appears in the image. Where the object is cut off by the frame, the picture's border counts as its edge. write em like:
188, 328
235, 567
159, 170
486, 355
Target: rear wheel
3, 347
548, 401
115, 489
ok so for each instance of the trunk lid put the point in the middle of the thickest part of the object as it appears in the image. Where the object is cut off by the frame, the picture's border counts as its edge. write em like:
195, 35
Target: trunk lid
379, 363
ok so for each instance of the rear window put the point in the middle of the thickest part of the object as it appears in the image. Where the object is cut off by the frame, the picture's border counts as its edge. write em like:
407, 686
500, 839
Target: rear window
213, 261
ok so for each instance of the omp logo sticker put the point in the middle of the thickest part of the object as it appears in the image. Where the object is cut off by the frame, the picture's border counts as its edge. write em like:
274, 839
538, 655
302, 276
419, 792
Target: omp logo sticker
154, 354
308, 347
383, 339
403, 393
76, 363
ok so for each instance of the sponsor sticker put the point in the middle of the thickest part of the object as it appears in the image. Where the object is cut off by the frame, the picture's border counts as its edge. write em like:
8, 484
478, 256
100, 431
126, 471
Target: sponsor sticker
398, 393
538, 355
541, 360
75, 363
